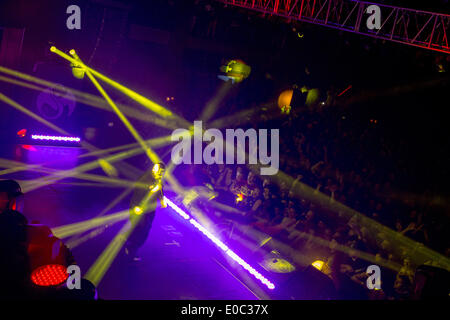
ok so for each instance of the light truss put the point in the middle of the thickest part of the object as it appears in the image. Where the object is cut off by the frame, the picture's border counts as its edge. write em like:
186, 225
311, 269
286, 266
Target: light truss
417, 28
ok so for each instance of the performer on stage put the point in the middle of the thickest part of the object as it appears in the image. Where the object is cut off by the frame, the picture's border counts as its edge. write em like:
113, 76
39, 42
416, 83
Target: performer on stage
143, 207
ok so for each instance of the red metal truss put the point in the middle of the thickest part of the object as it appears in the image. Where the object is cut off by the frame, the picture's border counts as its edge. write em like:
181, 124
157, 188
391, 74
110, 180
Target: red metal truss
422, 29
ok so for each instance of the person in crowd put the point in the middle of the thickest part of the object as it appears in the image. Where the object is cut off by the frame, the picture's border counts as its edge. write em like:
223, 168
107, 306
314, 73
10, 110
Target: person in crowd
352, 166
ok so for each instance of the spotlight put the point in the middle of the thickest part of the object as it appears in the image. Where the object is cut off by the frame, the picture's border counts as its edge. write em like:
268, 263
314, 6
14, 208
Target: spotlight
235, 70
275, 263
318, 264
284, 101
156, 167
138, 210
299, 97
77, 71
312, 97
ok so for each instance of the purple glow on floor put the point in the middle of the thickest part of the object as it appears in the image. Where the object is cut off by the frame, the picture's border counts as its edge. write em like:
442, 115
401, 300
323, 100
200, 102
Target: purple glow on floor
221, 245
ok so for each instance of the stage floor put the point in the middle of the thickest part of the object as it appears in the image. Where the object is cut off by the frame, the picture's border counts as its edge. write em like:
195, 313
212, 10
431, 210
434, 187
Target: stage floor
177, 261
174, 265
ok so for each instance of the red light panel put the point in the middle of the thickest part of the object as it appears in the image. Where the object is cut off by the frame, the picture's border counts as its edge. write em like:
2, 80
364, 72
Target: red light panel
49, 275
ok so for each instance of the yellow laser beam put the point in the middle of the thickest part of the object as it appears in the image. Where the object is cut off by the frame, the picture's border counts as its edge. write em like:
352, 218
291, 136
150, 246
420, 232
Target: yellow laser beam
148, 151
212, 105
146, 102
40, 182
417, 251
73, 243
152, 156
158, 109
155, 142
97, 271
111, 205
84, 176
22, 109
74, 228
246, 116
297, 256
90, 100
99, 268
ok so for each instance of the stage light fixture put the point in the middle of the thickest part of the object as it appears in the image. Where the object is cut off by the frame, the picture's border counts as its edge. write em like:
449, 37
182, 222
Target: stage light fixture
298, 97
284, 101
49, 275
77, 71
318, 264
156, 168
55, 138
235, 70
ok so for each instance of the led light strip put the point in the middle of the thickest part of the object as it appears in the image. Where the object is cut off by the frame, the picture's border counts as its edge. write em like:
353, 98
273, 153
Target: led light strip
221, 245
55, 138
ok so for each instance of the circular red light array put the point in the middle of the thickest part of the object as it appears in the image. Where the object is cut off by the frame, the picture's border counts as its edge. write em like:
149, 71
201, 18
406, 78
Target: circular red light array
49, 275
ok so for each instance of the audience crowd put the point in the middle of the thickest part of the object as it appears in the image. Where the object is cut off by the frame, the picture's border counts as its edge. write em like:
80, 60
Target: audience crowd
350, 164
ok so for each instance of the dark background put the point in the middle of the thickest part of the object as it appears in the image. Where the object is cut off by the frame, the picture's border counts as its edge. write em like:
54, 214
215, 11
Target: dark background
159, 49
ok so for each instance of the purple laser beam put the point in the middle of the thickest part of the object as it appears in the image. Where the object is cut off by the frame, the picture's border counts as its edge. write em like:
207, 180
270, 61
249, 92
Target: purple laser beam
221, 245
